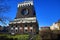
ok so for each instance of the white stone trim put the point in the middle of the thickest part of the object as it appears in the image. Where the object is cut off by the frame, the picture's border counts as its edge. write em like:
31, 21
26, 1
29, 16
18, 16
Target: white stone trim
20, 28
31, 28
31, 18
25, 28
12, 33
16, 28
24, 20
25, 3
12, 28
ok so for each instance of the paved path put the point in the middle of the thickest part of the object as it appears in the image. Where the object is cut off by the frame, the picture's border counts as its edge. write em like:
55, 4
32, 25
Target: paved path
31, 37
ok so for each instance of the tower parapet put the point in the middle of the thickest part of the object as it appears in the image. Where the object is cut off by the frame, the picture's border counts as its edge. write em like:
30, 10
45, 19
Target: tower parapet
25, 3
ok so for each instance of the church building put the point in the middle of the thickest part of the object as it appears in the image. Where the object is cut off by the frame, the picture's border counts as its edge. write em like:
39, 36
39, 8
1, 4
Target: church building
25, 21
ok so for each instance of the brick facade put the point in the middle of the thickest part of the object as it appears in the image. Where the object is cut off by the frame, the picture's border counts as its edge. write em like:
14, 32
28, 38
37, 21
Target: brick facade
25, 20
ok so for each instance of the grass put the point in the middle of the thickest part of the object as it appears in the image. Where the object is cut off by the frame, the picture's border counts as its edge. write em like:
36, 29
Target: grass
22, 37
19, 37
37, 37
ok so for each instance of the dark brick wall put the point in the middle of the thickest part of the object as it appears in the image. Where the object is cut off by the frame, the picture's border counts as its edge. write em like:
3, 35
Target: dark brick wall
31, 12
34, 25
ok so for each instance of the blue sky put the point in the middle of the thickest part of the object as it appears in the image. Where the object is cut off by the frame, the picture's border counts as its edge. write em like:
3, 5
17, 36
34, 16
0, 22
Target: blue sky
47, 11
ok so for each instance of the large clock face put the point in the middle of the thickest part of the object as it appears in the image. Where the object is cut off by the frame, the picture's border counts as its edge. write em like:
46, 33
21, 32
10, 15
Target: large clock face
24, 11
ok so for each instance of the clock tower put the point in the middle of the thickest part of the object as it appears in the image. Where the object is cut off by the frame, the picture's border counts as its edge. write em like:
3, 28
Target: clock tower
25, 20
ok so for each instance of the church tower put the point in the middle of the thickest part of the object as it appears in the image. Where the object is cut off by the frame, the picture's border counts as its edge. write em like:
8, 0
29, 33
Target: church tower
25, 20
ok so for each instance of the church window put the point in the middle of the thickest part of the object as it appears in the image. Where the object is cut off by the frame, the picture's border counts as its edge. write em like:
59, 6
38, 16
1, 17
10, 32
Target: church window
26, 31
16, 30
25, 25
24, 11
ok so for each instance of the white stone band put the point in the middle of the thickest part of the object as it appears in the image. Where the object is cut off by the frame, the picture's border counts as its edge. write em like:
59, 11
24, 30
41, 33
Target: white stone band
24, 20
30, 18
25, 3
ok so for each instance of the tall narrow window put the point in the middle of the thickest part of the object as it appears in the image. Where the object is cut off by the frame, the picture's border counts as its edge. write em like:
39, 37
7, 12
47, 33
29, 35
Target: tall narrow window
25, 31
16, 25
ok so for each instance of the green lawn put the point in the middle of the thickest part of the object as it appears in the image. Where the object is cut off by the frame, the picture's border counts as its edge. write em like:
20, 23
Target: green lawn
19, 37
